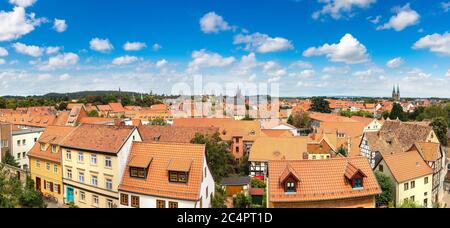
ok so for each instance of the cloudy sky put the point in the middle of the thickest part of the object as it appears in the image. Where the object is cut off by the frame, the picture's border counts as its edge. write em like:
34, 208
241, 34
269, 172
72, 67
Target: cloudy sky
309, 47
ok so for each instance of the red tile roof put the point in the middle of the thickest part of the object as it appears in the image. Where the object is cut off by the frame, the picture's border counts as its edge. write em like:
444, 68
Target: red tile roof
173, 134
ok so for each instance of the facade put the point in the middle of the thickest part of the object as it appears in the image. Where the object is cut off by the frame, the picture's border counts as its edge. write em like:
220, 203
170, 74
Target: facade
23, 140
412, 177
333, 183
166, 175
45, 161
5, 139
94, 159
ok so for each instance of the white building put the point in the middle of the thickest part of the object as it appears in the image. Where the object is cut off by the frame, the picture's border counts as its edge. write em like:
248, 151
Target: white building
23, 139
166, 175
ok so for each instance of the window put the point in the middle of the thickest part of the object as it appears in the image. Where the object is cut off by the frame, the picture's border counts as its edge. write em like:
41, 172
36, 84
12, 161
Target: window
81, 177
42, 146
290, 187
82, 196
18, 156
425, 203
109, 184
24, 154
406, 186
48, 185
24, 142
173, 205
38, 163
426, 180
18, 142
109, 203
413, 184
108, 162
55, 168
80, 157
381, 168
135, 201
178, 177
138, 172
69, 174
94, 180
54, 149
124, 199
69, 155
35, 139
160, 204
93, 159
357, 183
56, 188
47, 166
95, 200
413, 198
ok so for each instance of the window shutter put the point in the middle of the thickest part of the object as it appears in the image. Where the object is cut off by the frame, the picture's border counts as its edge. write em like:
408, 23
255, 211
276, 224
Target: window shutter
45, 184
51, 186
59, 189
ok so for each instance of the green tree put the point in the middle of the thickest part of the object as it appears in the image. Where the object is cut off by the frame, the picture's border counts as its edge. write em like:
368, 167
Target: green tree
257, 183
409, 204
397, 112
242, 201
158, 122
93, 113
10, 160
342, 151
30, 197
321, 105
217, 153
219, 198
440, 128
244, 166
300, 120
387, 188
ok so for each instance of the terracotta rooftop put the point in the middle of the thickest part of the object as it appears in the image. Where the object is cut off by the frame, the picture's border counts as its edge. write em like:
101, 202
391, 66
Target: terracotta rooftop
429, 151
276, 133
96, 120
407, 133
332, 117
173, 134
407, 166
116, 107
321, 180
157, 182
53, 135
98, 138
278, 148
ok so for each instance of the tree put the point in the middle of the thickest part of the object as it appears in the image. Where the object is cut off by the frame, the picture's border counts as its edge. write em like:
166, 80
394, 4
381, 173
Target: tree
10, 160
242, 201
31, 198
217, 155
257, 183
342, 151
93, 113
300, 120
440, 128
387, 188
244, 166
158, 122
409, 204
219, 198
397, 112
321, 105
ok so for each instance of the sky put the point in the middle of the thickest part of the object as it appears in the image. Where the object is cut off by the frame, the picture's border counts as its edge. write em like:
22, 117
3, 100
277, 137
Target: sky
307, 47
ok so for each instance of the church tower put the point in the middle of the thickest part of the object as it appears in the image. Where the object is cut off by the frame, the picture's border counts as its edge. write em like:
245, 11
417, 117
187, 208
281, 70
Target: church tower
396, 93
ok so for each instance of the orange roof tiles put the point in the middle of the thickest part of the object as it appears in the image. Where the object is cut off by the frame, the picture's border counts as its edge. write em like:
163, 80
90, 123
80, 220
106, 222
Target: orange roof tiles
321, 180
407, 166
96, 120
53, 135
157, 182
429, 151
180, 165
278, 148
116, 107
173, 134
276, 133
99, 138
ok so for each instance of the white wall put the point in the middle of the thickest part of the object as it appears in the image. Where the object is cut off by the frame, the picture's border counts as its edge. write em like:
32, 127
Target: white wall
23, 148
124, 152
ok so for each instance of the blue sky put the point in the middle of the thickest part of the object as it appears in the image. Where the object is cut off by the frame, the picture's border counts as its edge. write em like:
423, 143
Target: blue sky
309, 47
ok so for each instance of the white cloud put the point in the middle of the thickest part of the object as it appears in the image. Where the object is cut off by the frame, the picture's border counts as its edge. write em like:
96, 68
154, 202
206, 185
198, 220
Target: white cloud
101, 45
60, 61
368, 73
448, 73
405, 17
213, 23
302, 64
349, 50
336, 70
22, 3
30, 50
416, 74
436, 43
134, 46
274, 69
375, 20
64, 77
125, 60
17, 23
52, 50
247, 64
204, 59
445, 6
156, 47
3, 52
161, 63
304, 74
395, 63
336, 8
263, 43
60, 25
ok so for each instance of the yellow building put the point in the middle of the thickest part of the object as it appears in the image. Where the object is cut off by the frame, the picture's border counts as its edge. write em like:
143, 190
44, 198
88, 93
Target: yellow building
412, 177
45, 161
94, 158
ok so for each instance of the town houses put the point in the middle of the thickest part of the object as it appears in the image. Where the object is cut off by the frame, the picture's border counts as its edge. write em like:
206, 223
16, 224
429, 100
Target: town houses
114, 155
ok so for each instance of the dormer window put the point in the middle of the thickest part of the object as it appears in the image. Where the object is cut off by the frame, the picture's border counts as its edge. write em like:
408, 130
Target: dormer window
138, 172
178, 177
289, 180
42, 146
290, 187
139, 166
355, 177
357, 183
54, 149
178, 170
